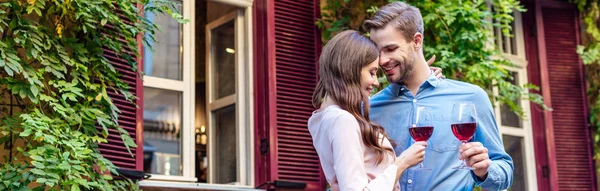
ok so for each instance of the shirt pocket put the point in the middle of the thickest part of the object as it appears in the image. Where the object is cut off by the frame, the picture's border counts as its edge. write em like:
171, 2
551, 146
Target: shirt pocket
443, 140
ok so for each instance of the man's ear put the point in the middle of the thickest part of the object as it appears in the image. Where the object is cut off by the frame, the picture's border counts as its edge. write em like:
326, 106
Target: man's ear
417, 41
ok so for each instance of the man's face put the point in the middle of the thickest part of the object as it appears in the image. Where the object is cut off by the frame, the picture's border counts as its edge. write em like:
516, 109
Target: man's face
397, 54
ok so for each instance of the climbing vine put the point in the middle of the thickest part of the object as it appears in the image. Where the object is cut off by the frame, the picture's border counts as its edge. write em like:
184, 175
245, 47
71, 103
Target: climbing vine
56, 82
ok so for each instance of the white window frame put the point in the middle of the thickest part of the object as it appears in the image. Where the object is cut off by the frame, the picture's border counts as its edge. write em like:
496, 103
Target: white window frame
238, 98
186, 86
525, 132
243, 98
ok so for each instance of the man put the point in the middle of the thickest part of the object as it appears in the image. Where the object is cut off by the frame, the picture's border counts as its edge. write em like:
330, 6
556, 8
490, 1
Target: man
397, 29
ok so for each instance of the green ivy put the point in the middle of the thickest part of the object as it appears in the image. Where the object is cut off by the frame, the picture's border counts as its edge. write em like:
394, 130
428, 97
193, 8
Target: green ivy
458, 33
590, 55
52, 63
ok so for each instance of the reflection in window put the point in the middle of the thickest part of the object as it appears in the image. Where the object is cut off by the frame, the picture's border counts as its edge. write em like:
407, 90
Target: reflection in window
507, 116
226, 144
166, 59
223, 39
514, 146
162, 131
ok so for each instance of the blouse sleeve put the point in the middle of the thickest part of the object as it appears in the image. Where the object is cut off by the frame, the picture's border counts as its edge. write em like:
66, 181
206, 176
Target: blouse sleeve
348, 158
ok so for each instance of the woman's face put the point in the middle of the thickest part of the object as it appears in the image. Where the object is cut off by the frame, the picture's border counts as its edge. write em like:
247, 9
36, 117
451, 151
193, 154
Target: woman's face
368, 77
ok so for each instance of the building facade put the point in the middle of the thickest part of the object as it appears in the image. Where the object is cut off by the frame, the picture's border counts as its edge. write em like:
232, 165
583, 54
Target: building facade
225, 99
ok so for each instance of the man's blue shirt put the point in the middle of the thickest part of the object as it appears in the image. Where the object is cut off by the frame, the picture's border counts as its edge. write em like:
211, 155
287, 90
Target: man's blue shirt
392, 108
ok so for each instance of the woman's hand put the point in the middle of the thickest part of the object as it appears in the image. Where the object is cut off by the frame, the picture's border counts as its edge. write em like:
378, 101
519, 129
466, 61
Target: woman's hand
412, 156
437, 71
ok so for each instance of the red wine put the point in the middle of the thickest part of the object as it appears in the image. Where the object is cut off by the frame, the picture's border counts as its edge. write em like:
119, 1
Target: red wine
421, 133
464, 131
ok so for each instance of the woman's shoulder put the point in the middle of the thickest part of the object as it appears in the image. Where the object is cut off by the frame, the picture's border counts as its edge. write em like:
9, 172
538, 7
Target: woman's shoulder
332, 113
334, 118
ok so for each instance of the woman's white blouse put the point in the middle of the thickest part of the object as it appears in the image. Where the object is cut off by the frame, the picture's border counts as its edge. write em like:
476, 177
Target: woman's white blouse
347, 163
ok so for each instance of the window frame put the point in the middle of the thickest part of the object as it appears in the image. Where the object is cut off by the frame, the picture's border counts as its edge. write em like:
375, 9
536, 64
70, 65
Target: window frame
238, 98
242, 98
186, 87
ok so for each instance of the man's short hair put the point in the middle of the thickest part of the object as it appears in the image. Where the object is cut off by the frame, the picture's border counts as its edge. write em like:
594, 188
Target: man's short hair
404, 17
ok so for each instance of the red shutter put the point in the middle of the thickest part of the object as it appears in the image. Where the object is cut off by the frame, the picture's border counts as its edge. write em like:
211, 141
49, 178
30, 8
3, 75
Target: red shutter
572, 140
295, 70
130, 118
286, 72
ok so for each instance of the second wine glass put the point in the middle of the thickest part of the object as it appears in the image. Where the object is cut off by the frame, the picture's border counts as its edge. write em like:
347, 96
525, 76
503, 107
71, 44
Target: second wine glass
422, 127
464, 125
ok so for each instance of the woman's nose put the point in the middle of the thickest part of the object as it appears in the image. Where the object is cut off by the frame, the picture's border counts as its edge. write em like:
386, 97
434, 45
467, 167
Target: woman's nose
376, 82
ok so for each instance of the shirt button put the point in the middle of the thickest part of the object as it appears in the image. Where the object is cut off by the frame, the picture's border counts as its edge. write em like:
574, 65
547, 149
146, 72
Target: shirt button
414, 100
409, 181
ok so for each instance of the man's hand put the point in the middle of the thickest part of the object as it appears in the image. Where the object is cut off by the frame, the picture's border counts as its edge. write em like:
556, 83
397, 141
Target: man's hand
437, 71
477, 158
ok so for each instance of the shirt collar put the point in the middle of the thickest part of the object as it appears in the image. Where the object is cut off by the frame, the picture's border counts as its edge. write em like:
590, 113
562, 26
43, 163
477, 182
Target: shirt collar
399, 89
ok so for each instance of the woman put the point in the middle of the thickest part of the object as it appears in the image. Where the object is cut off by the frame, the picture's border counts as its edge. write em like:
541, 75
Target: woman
355, 153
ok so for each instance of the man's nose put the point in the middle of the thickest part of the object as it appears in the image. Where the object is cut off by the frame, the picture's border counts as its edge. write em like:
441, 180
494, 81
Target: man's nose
383, 59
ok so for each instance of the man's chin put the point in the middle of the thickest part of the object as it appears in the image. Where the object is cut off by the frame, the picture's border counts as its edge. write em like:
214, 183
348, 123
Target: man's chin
393, 79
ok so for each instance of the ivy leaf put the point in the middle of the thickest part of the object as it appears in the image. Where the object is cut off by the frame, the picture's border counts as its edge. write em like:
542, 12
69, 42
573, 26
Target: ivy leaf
38, 164
9, 71
41, 180
34, 90
104, 124
127, 140
25, 133
69, 96
75, 187
107, 177
66, 155
38, 172
36, 157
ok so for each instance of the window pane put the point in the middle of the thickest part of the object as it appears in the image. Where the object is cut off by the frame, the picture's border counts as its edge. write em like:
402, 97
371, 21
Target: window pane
514, 147
508, 117
166, 59
513, 39
162, 131
226, 141
223, 48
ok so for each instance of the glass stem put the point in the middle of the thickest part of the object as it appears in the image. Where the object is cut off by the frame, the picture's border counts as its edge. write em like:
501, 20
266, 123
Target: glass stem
464, 161
421, 163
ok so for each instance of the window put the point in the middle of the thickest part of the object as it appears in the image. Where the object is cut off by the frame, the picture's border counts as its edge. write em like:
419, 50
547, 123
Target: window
516, 132
166, 93
197, 98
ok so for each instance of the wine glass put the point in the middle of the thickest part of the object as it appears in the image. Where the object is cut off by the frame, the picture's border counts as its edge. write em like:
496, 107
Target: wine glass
464, 124
422, 128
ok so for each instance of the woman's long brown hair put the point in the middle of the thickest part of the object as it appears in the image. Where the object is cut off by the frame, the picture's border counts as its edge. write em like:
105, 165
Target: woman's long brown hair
340, 65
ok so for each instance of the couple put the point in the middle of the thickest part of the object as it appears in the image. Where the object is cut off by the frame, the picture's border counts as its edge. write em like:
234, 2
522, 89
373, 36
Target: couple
359, 154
